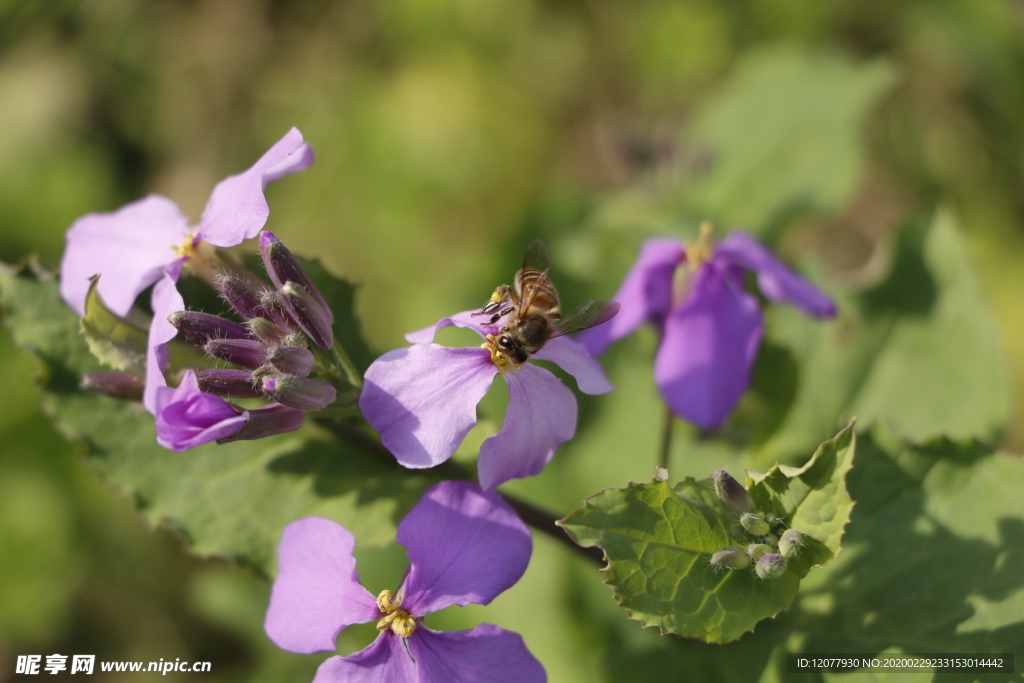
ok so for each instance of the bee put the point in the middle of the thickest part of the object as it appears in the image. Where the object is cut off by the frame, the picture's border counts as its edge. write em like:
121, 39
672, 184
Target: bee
534, 313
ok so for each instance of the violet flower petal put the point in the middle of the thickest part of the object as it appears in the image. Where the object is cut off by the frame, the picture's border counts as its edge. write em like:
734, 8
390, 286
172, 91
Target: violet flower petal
166, 300
237, 209
317, 592
774, 278
128, 248
541, 415
465, 545
572, 356
186, 417
485, 654
422, 399
645, 294
382, 661
708, 348
466, 319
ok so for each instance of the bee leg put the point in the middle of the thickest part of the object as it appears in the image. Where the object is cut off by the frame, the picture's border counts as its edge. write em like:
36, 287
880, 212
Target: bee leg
501, 295
499, 314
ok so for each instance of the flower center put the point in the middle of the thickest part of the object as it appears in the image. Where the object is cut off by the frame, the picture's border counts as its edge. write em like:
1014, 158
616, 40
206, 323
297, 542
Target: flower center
397, 619
199, 254
497, 357
698, 253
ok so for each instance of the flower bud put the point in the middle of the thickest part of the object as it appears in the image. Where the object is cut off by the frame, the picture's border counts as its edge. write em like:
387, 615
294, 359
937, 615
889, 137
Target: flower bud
273, 419
757, 550
202, 327
314, 318
730, 558
299, 392
791, 543
267, 331
241, 296
249, 353
754, 525
292, 360
283, 267
732, 493
770, 566
272, 308
228, 383
114, 384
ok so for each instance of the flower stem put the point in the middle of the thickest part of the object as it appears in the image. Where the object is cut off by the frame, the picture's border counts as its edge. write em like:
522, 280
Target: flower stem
666, 438
539, 519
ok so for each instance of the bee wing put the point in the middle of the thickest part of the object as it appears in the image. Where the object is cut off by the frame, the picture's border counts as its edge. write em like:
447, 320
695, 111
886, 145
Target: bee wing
537, 257
586, 315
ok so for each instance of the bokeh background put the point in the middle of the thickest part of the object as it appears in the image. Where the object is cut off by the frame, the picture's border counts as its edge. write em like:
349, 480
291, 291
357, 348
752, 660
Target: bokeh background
450, 134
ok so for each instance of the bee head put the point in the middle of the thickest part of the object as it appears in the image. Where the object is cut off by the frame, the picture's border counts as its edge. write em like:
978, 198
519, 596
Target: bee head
512, 348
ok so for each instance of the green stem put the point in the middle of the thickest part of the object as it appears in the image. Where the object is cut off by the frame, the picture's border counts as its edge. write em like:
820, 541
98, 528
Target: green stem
666, 438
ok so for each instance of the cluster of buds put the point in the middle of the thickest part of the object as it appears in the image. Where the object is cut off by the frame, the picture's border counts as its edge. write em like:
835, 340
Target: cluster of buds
271, 346
282, 350
765, 542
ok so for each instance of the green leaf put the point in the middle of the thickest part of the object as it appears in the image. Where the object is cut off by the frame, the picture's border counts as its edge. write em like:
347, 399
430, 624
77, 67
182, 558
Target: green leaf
658, 541
784, 134
230, 500
918, 352
111, 338
932, 556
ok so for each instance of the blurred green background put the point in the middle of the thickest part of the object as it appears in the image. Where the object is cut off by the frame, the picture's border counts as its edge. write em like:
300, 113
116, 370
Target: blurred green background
448, 136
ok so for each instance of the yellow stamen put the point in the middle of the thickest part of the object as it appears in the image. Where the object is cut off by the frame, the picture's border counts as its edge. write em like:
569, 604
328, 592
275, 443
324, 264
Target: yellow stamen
700, 251
200, 256
497, 357
397, 619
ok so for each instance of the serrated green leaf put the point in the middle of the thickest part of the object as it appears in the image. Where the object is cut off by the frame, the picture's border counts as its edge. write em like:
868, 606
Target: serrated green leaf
230, 500
785, 108
111, 338
658, 542
812, 499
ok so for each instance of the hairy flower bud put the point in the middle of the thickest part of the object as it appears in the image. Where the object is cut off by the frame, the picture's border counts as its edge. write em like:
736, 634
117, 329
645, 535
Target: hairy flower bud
202, 327
241, 296
114, 384
283, 267
268, 421
730, 558
756, 550
272, 308
791, 543
770, 566
267, 331
248, 353
299, 392
292, 360
228, 383
314, 318
732, 493
754, 525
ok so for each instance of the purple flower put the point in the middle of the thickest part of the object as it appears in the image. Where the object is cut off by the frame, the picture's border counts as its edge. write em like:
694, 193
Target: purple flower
186, 417
148, 241
422, 399
710, 327
464, 546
